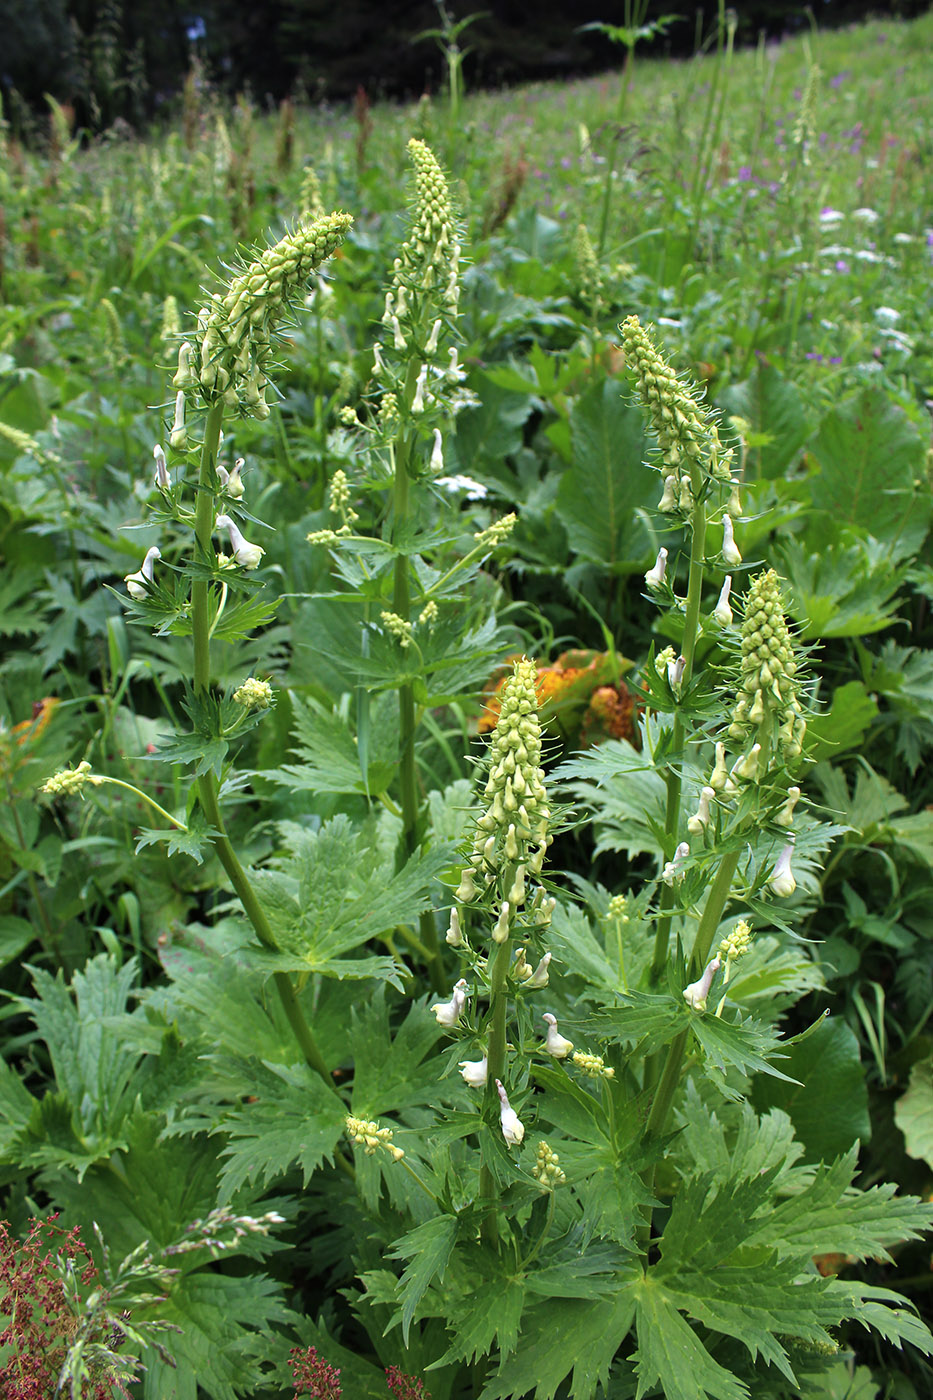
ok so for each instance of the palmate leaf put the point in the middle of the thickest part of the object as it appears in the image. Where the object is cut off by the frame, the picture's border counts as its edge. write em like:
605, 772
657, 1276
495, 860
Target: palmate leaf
294, 1121
330, 758
392, 1070
671, 1355
491, 1316
913, 1112
337, 892
828, 1217
429, 1248
827, 1097
563, 1335
603, 496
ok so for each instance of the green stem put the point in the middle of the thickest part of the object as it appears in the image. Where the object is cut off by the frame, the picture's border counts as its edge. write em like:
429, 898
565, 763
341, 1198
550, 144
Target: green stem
31, 880
495, 1065
401, 605
672, 776
130, 787
207, 784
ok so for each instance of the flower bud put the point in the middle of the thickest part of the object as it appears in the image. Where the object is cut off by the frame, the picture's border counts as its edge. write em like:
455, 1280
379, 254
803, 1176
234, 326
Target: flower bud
701, 817
673, 871
539, 978
178, 438
437, 454
454, 935
669, 495
162, 478
785, 816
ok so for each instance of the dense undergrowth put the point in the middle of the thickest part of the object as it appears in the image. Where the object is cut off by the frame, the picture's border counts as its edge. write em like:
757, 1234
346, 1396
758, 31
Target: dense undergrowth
389, 1004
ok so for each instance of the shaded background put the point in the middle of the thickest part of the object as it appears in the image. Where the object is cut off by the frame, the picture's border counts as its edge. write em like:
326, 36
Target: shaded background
112, 60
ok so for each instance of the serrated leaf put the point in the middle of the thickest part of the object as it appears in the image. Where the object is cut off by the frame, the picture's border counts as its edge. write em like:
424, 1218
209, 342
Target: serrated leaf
870, 454
492, 1315
428, 1247
671, 1355
294, 1121
745, 1045
560, 1336
602, 497
829, 1103
913, 1112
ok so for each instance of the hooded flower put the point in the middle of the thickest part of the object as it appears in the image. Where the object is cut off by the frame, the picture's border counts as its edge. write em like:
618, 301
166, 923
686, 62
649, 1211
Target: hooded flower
245, 554
135, 583
448, 1012
513, 1129
696, 993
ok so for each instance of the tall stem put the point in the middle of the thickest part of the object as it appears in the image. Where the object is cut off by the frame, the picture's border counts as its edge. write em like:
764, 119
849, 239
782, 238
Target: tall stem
207, 784
672, 777
401, 605
495, 1064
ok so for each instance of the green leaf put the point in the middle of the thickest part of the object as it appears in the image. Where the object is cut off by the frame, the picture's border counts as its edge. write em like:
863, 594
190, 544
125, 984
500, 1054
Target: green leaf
338, 891
829, 1105
558, 1336
844, 586
16, 934
827, 1217
779, 419
603, 496
745, 1045
870, 456
625, 794
392, 1070
294, 1121
652, 1019
913, 1112
329, 756
492, 1314
844, 725
671, 1355
429, 1247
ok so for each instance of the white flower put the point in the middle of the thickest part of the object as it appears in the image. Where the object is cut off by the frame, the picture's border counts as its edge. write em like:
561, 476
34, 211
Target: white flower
673, 871
729, 549
539, 977
398, 338
675, 672
232, 482
475, 490
475, 1072
178, 438
378, 366
448, 1012
701, 817
829, 218
668, 501
695, 995
501, 931
431, 345
887, 315
162, 478
454, 935
555, 1044
654, 578
135, 583
513, 1129
417, 403
782, 880
437, 453
245, 554
746, 767
865, 216
722, 612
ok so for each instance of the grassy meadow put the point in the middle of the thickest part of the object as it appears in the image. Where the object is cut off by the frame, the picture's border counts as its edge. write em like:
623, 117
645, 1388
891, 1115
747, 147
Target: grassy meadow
466, 705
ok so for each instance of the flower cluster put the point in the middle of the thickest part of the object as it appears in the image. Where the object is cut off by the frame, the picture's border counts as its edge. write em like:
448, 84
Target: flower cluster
547, 1168
579, 698
512, 838
71, 780
253, 694
234, 345
686, 430
371, 1137
769, 687
37, 1323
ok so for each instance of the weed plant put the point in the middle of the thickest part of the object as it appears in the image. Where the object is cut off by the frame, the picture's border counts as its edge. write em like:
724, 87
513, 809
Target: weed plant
465, 859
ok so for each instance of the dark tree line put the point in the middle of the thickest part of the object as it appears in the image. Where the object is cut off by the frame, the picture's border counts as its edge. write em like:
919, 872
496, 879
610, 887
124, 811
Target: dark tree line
127, 59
